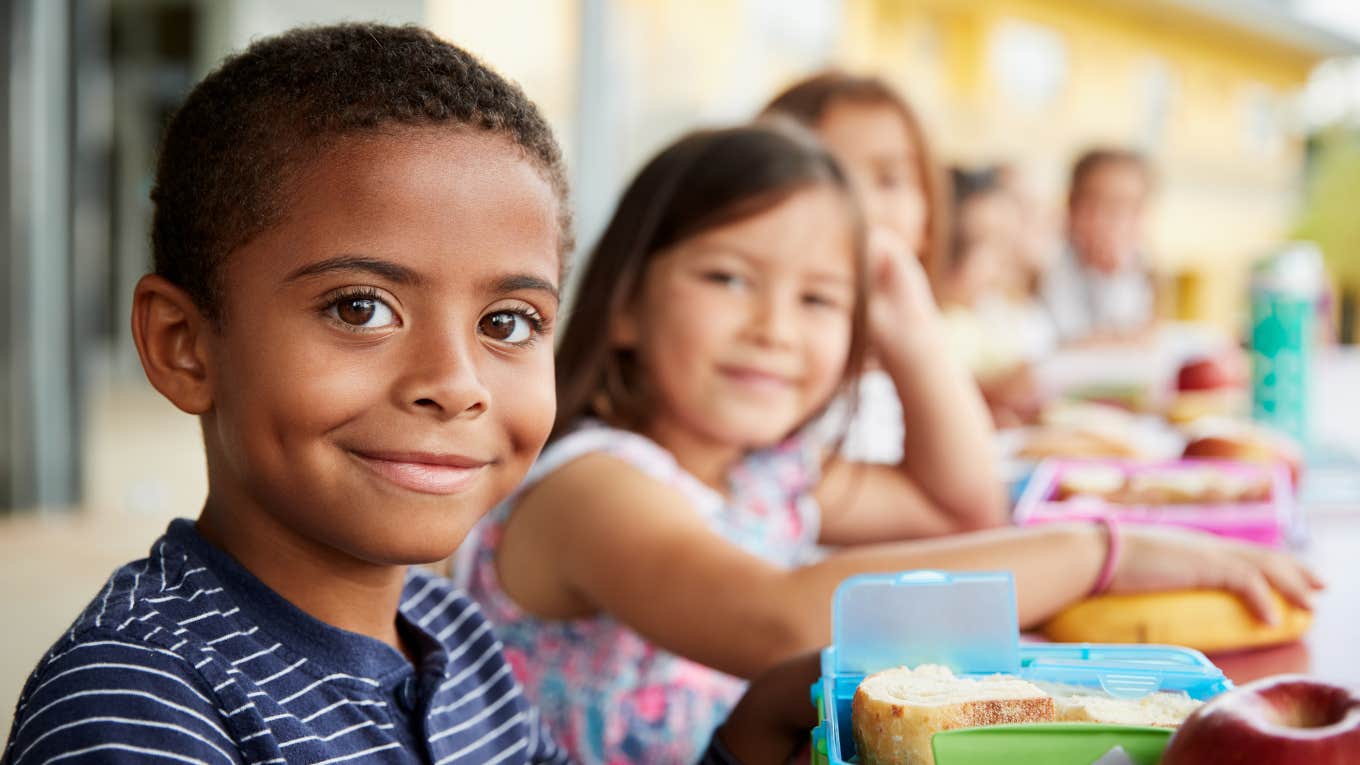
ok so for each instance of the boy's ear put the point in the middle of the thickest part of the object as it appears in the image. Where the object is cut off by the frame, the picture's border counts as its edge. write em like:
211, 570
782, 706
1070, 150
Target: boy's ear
171, 334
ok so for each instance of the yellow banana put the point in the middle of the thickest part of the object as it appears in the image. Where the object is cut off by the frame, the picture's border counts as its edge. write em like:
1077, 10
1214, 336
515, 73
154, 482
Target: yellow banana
1207, 620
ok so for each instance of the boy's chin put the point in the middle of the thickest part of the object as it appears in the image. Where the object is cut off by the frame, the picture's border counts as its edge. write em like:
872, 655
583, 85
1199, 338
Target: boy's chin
416, 552
409, 543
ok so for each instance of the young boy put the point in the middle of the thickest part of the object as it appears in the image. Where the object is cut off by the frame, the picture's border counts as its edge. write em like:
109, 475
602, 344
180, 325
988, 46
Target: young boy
359, 234
1098, 290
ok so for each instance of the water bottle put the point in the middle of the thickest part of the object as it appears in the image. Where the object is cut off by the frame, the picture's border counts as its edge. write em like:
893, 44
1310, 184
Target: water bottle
1285, 289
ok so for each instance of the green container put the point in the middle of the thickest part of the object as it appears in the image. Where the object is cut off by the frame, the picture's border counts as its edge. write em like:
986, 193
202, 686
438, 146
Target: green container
1285, 289
1047, 744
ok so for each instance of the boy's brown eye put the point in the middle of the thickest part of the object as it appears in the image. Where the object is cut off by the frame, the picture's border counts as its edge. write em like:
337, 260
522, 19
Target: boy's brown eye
506, 327
356, 311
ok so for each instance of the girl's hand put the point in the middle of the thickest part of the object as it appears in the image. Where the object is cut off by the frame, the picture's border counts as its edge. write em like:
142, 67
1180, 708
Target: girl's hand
902, 310
1166, 559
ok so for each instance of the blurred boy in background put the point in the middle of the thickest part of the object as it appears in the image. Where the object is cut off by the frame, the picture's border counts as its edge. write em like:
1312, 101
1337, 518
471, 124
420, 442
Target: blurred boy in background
1099, 291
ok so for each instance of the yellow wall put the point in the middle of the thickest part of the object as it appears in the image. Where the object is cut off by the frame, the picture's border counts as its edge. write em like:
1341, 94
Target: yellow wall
1225, 193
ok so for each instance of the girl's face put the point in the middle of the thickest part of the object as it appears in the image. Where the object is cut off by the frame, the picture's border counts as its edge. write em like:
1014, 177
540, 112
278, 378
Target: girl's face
744, 330
384, 373
989, 224
872, 144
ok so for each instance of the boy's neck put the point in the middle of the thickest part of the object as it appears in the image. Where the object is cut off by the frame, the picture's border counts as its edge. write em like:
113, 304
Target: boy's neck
335, 588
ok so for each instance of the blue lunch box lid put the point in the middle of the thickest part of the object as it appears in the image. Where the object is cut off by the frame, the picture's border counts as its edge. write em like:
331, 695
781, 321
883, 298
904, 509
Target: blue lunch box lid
967, 621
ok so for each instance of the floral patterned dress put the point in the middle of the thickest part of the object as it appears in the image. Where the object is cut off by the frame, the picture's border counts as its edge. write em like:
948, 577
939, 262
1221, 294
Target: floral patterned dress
608, 694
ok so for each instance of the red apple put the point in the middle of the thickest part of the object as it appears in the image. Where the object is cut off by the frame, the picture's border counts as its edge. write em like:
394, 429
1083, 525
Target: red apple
1212, 373
1281, 720
1250, 448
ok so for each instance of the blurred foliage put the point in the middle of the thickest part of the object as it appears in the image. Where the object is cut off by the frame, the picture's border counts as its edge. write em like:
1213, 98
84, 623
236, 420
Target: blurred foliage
1331, 210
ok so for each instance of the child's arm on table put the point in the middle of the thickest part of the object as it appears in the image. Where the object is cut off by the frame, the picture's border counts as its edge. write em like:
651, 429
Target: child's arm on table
772, 721
947, 480
600, 536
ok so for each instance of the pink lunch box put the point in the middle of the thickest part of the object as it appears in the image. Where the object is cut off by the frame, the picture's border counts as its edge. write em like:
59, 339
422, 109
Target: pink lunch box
1265, 520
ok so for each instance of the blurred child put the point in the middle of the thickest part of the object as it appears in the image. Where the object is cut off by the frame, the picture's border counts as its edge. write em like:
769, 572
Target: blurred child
994, 332
1039, 240
935, 419
359, 232
658, 550
1099, 290
878, 138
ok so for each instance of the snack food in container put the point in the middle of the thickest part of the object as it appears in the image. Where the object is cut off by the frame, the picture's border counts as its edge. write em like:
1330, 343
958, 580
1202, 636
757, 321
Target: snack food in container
967, 623
1251, 501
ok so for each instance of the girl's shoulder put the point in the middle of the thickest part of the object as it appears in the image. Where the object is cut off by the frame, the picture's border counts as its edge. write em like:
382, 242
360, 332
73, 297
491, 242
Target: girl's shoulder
636, 451
593, 436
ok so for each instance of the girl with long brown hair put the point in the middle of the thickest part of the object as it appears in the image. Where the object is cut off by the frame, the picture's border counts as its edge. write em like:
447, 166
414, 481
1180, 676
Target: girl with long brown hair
663, 546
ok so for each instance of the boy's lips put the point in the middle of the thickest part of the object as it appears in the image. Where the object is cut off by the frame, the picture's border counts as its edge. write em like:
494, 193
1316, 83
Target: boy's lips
424, 472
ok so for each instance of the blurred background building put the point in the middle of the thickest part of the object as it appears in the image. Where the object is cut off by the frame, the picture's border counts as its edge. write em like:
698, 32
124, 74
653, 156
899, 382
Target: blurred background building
1248, 109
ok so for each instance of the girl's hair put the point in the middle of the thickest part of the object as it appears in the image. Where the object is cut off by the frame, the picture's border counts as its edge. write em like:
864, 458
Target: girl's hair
967, 184
809, 100
704, 180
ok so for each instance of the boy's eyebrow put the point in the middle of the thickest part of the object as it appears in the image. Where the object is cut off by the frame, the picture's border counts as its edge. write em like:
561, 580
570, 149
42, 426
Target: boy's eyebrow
385, 268
518, 282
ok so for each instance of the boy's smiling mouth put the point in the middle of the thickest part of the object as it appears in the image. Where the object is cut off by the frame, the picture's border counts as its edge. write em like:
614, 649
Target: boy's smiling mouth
424, 472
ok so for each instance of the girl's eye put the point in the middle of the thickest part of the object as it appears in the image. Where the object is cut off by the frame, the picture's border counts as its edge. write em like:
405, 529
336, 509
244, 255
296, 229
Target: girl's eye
725, 278
508, 327
362, 311
832, 300
891, 181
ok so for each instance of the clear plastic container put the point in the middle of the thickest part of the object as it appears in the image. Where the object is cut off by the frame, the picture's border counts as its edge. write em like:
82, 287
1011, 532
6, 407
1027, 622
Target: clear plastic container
967, 622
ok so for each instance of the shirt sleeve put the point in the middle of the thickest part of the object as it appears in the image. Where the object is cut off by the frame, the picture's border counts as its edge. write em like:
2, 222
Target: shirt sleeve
110, 701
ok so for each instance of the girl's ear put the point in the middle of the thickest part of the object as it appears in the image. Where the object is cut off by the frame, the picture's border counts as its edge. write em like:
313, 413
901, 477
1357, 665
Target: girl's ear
172, 337
623, 329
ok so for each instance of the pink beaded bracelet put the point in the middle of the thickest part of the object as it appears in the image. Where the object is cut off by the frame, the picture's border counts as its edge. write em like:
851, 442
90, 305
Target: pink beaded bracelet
1112, 550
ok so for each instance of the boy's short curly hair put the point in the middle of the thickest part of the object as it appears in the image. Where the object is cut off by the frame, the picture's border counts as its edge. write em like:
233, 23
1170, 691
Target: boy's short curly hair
229, 153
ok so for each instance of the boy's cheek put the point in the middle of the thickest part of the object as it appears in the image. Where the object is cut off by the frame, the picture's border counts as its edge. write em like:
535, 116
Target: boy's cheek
524, 399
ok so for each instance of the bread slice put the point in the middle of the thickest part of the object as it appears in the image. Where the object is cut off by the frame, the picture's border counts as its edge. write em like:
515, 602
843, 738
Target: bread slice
1163, 709
896, 712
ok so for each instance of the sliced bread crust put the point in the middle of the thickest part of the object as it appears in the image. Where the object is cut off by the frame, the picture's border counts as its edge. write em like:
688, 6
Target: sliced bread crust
896, 712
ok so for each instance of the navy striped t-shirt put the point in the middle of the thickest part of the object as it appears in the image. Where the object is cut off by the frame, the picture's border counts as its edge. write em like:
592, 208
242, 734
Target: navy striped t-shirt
187, 657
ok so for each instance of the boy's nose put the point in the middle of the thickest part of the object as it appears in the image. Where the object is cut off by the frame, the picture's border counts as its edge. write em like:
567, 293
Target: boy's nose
443, 379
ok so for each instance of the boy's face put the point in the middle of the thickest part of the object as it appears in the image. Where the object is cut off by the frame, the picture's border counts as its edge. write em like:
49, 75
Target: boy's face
1106, 216
383, 375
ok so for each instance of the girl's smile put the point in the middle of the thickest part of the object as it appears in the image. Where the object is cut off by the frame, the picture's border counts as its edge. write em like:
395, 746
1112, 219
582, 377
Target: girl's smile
758, 380
744, 330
